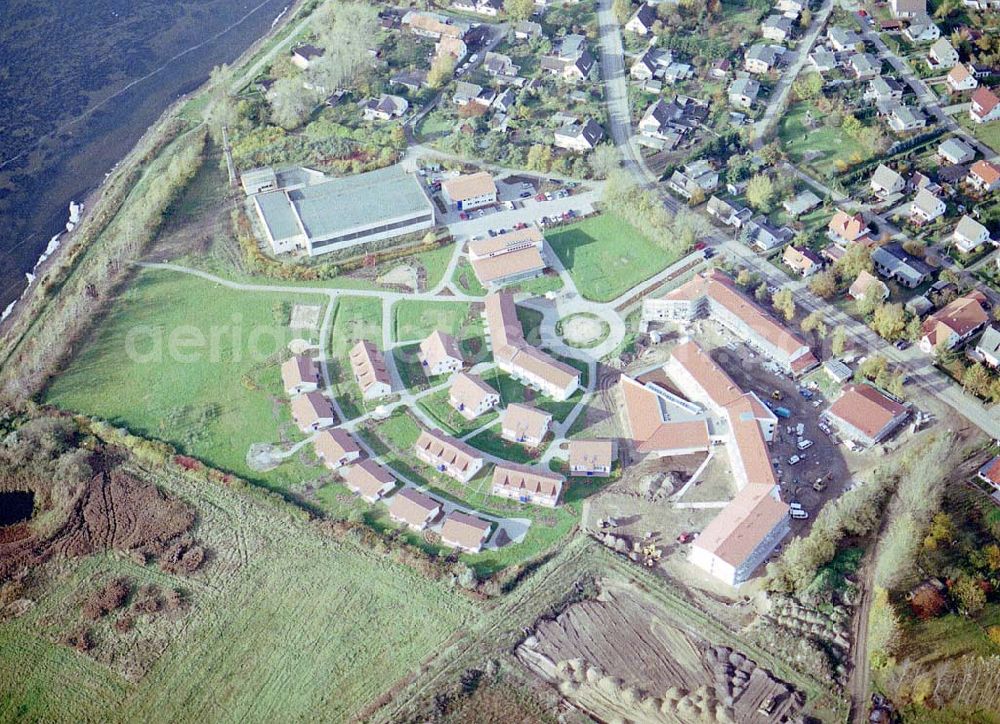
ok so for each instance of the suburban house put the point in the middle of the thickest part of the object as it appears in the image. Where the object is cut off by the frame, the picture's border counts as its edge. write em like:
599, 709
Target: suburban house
498, 64
762, 58
466, 93
579, 136
908, 8
471, 396
848, 228
439, 354
988, 347
822, 60
942, 55
517, 358
299, 374
990, 473
956, 151
865, 281
984, 176
926, 207
572, 61
864, 66
886, 182
447, 455
922, 30
969, 234
526, 484
336, 448
489, 8
470, 191
960, 78
465, 532
304, 55
802, 203
524, 424
884, 89
413, 508
955, 323
527, 30
368, 366
591, 458
508, 257
696, 177
902, 118
842, 39
743, 92
762, 234
803, 261
368, 479
892, 262
453, 47
311, 411
985, 105
727, 212
308, 211
714, 293
777, 28
412, 80
384, 108
865, 415
434, 25
641, 22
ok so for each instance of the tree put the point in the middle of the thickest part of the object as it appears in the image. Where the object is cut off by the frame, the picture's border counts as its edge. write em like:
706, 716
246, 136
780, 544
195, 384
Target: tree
760, 192
442, 69
808, 86
622, 10
889, 321
604, 160
872, 368
976, 380
928, 602
824, 284
941, 530
519, 9
761, 294
839, 341
885, 632
870, 300
857, 259
291, 104
539, 157
969, 594
784, 302
806, 18
745, 278
814, 323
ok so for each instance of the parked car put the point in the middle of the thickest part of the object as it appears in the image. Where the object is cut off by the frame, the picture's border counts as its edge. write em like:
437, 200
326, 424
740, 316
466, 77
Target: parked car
902, 344
794, 460
709, 253
820, 485
686, 537
804, 444
463, 216
799, 514
539, 197
525, 194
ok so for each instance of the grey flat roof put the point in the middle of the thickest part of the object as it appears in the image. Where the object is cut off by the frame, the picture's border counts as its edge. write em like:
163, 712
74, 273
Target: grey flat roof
278, 215
338, 205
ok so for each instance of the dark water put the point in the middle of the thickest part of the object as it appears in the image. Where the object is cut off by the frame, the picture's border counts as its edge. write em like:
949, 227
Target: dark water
16, 506
80, 81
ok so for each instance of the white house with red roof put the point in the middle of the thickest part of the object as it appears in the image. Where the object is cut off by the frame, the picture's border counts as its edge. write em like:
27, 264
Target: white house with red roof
955, 323
865, 415
985, 106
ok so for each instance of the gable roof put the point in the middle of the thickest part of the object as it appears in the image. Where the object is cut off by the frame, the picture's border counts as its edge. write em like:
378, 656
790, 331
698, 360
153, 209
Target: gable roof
448, 450
368, 365
591, 454
439, 346
848, 226
470, 390
987, 171
985, 99
523, 479
886, 178
413, 507
866, 409
367, 477
961, 316
299, 370
737, 531
525, 420
310, 407
469, 186
464, 530
335, 444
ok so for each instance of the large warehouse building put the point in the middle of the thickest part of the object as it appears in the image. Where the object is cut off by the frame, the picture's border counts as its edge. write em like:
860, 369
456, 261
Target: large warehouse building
304, 210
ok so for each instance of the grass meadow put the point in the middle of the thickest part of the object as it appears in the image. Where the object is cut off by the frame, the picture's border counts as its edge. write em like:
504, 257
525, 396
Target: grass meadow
143, 369
606, 256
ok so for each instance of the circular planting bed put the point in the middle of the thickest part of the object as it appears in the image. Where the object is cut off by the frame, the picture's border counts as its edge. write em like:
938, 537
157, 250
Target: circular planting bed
583, 330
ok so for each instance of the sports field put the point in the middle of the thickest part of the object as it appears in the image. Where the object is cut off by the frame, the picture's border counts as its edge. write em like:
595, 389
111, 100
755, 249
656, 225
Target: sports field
606, 256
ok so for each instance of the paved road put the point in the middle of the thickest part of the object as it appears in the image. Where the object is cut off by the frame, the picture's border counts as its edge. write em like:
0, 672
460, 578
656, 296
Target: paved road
779, 95
616, 94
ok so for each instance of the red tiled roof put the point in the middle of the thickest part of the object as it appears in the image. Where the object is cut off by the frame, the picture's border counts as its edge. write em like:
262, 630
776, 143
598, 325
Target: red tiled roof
735, 532
865, 408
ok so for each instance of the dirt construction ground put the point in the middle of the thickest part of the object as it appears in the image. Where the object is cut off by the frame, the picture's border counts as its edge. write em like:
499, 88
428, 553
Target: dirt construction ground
620, 657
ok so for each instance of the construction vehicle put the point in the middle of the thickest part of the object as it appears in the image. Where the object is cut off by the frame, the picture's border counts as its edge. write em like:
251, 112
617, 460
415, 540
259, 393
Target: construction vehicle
777, 395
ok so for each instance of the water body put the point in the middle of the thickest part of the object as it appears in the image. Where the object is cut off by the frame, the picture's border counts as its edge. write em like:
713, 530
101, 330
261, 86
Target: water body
80, 82
16, 506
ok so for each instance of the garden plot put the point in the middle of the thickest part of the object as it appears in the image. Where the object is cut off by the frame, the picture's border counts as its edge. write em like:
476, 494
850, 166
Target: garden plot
620, 654
305, 316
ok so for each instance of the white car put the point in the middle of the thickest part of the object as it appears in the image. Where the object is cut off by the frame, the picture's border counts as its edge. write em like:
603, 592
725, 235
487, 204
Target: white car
799, 514
804, 444
473, 59
794, 460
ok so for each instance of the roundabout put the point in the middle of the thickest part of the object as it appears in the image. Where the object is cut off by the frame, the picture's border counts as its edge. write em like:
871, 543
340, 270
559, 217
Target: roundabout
583, 330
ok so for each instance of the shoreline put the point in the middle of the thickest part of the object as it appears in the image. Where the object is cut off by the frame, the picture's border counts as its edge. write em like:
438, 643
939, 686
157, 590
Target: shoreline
93, 198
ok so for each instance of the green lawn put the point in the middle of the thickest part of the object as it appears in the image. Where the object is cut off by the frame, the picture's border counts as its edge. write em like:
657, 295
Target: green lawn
465, 279
831, 144
489, 441
539, 286
606, 256
988, 133
212, 400
513, 391
411, 372
414, 320
449, 419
